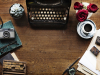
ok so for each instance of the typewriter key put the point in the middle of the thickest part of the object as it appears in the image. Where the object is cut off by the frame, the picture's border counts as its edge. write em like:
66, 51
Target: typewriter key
63, 15
32, 18
49, 8
51, 15
39, 15
36, 15
56, 12
54, 15
51, 12
64, 18
60, 15
41, 12
61, 18
40, 8
44, 12
45, 15
59, 12
47, 18
50, 18
66, 14
57, 15
53, 18
43, 9
35, 12
48, 15
41, 18
32, 12
42, 15
38, 12
48, 12
58, 18
46, 9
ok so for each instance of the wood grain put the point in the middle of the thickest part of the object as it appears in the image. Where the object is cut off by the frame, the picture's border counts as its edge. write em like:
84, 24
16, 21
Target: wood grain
48, 52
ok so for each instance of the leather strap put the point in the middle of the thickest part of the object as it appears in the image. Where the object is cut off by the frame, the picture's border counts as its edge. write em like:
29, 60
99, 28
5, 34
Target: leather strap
2, 23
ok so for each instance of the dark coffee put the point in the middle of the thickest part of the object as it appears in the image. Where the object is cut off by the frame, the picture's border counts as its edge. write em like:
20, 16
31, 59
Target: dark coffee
87, 27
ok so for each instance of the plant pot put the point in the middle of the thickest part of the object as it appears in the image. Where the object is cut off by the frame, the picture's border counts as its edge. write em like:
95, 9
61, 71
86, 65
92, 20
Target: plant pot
16, 11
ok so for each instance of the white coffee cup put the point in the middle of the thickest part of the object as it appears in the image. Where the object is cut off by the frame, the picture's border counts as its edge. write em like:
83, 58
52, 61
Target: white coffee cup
87, 28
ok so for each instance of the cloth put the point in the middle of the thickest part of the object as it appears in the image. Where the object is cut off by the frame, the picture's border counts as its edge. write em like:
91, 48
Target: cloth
5, 42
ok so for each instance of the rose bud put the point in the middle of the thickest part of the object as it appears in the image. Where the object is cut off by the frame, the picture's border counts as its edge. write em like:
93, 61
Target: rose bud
78, 6
81, 15
92, 8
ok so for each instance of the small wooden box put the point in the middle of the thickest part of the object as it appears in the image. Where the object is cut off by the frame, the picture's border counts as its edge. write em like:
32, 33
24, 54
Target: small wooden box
11, 67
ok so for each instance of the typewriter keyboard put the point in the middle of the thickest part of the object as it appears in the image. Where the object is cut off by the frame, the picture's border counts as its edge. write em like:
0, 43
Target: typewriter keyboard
48, 14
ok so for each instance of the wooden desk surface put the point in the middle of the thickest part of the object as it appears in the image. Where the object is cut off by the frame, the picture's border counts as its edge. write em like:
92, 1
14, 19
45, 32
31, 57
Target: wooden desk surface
48, 52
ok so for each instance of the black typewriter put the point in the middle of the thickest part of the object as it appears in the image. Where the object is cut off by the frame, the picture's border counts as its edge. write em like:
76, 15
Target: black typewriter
48, 12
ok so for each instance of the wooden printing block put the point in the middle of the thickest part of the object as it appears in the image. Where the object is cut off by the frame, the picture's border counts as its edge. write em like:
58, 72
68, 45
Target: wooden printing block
98, 40
17, 68
94, 50
9, 67
14, 68
21, 69
21, 64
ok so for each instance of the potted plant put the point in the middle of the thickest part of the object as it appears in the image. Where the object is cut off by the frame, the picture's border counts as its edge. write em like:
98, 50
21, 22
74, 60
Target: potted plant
16, 11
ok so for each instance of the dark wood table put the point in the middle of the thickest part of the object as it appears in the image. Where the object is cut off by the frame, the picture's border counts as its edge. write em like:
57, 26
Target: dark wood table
48, 52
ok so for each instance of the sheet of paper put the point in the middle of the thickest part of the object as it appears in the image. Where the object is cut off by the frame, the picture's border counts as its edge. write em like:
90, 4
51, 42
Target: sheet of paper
85, 70
81, 70
88, 59
88, 64
98, 62
14, 56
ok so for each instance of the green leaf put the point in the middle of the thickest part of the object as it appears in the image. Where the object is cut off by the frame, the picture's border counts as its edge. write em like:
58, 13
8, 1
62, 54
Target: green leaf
84, 7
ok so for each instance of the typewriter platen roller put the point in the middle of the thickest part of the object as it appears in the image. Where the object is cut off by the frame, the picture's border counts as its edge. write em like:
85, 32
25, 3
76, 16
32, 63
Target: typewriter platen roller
48, 12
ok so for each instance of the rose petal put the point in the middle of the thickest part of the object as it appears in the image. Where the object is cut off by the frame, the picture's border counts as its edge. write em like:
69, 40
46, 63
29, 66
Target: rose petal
81, 15
92, 8
78, 5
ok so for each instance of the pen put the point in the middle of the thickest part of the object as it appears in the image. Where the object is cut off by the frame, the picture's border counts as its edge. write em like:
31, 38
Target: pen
70, 66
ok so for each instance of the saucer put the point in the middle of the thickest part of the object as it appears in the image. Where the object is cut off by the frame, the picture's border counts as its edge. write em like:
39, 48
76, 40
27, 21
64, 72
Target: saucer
79, 29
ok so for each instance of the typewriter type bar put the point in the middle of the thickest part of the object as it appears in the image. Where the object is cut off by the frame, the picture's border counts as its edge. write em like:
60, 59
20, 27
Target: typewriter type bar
11, 67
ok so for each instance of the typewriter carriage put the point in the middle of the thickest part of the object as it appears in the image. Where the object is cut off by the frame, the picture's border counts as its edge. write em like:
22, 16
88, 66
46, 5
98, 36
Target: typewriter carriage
43, 14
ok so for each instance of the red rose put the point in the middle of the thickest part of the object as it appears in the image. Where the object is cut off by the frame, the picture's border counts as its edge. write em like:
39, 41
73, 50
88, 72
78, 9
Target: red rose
81, 15
78, 6
92, 8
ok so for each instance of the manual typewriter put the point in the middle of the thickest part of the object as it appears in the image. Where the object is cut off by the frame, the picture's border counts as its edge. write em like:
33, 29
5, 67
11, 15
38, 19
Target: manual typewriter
48, 12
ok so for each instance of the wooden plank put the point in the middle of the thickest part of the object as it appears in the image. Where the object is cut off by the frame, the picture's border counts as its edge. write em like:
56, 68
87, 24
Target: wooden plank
48, 52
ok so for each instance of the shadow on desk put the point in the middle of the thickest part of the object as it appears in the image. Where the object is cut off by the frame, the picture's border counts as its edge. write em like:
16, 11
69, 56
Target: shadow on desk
23, 21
